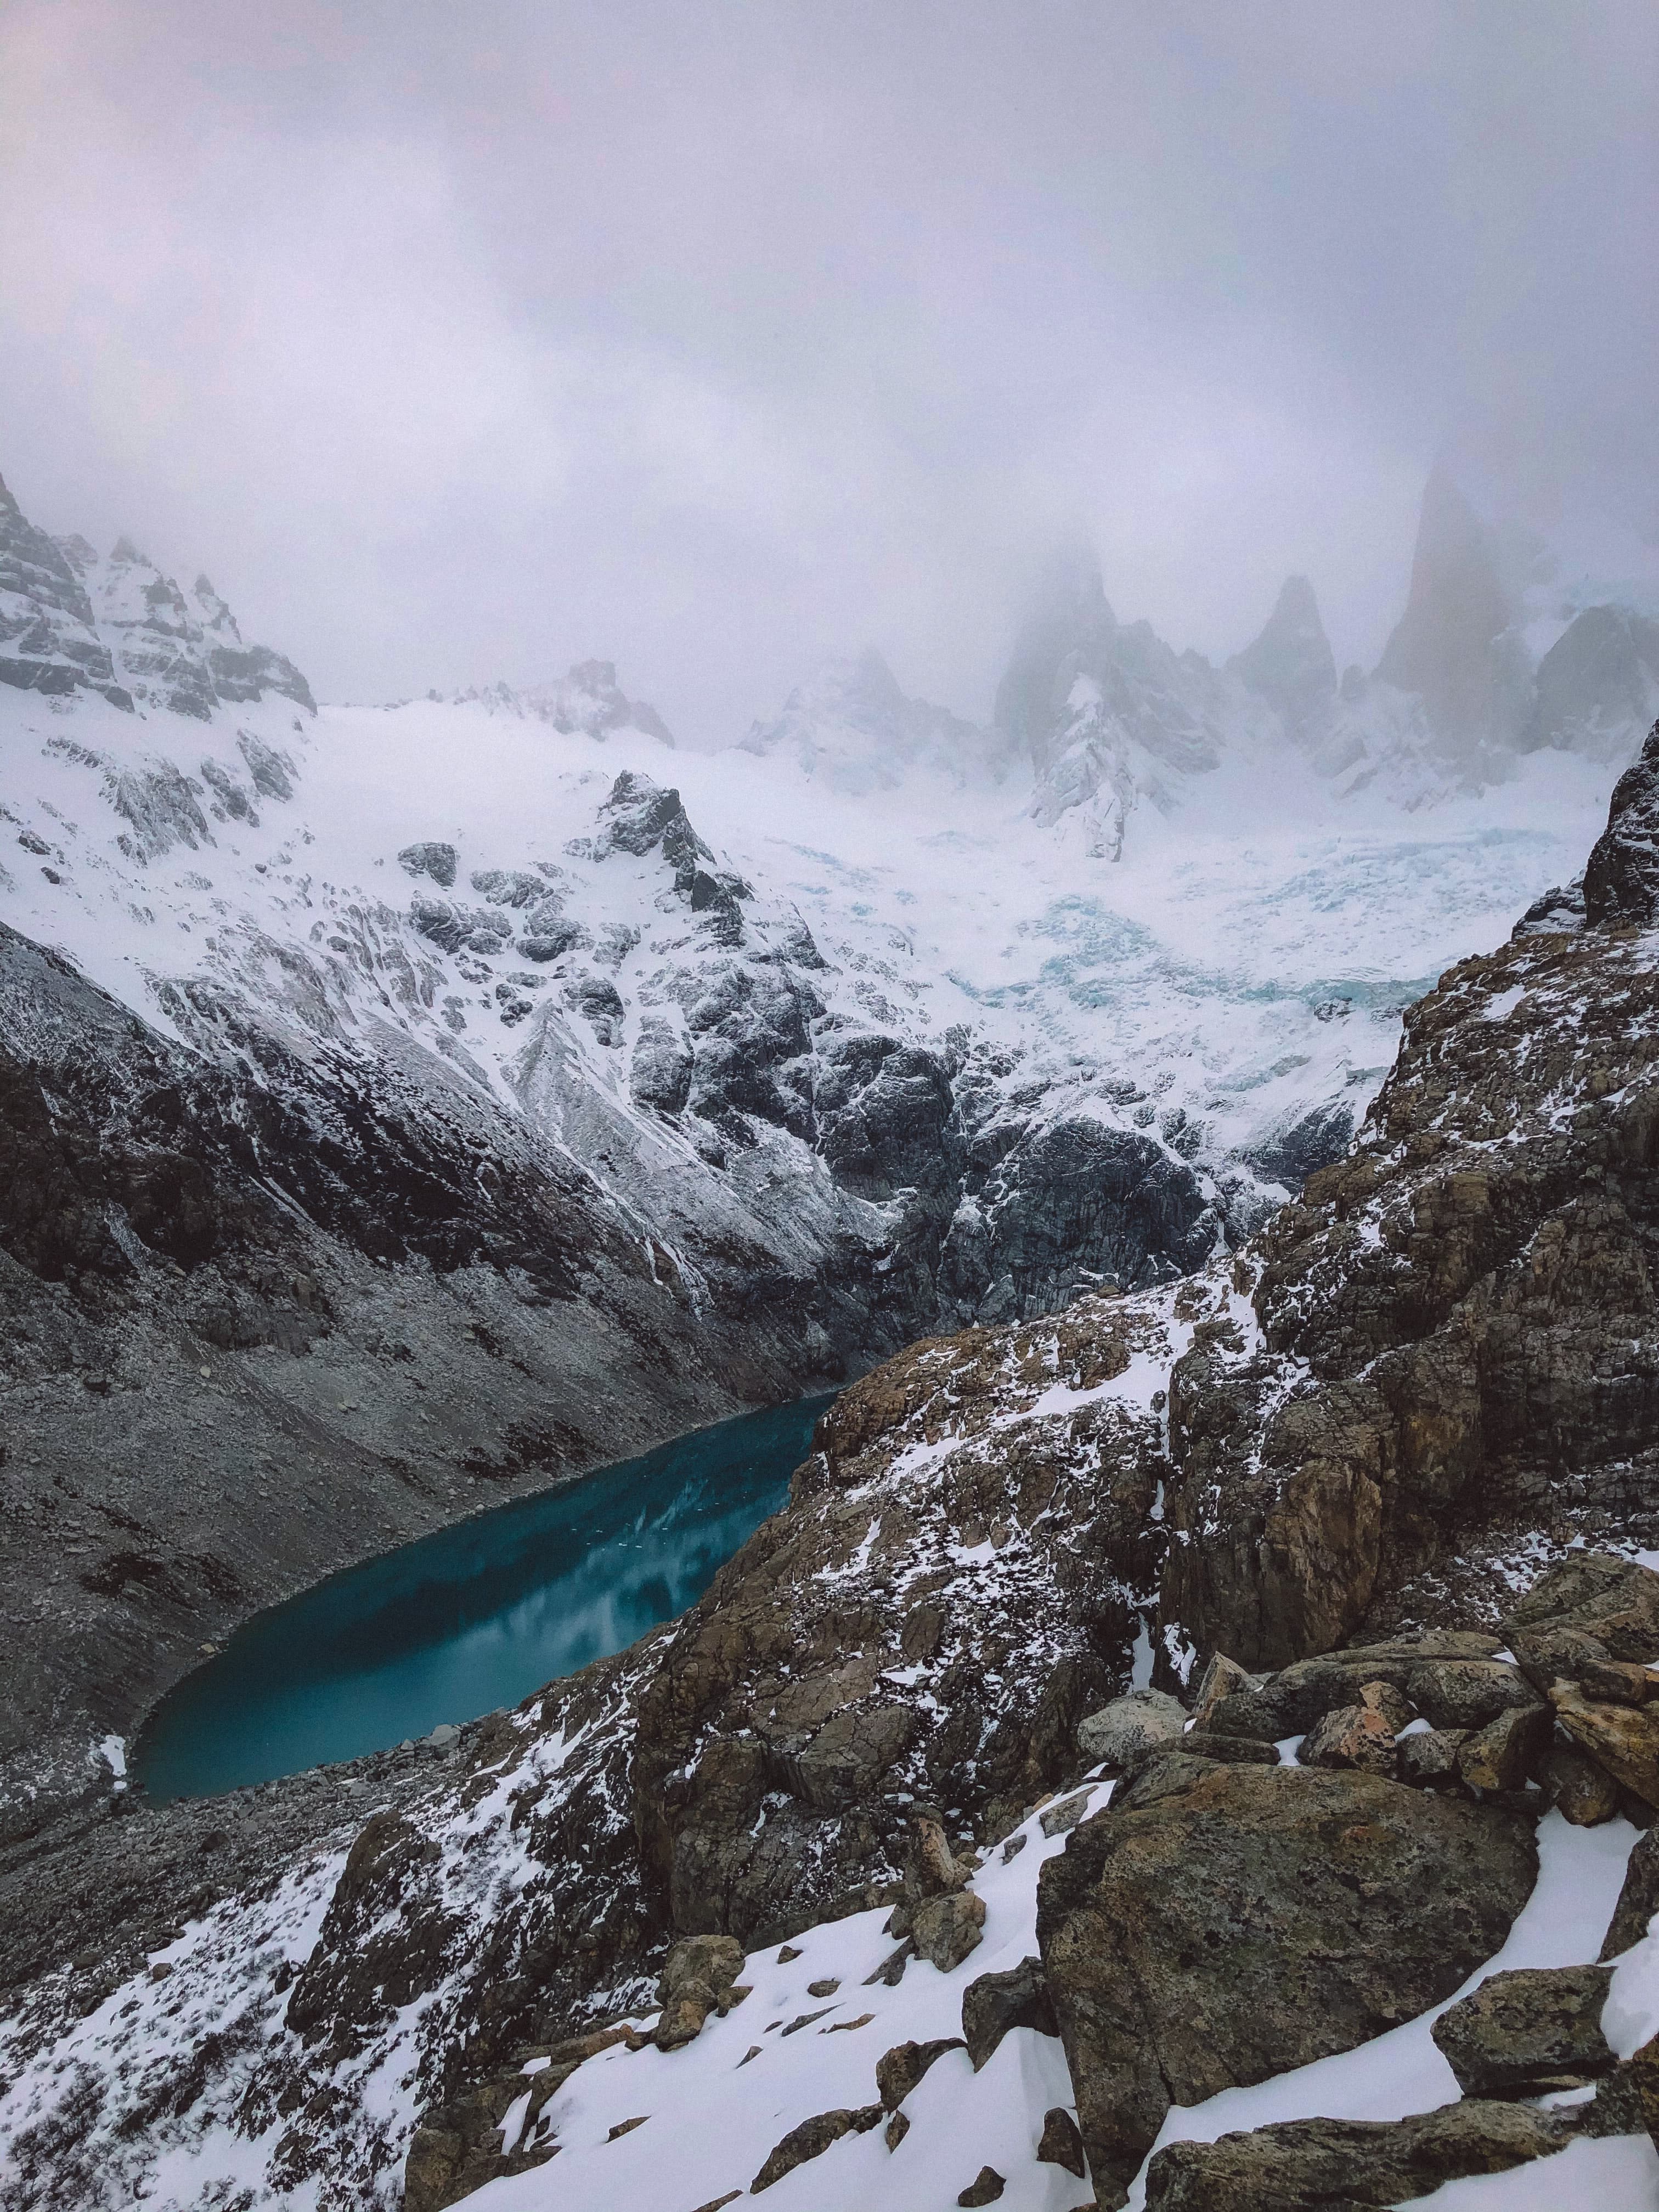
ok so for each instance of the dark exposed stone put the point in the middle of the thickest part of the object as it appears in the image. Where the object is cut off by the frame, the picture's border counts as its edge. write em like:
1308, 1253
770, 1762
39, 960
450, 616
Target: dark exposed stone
1524, 2033
985, 2189
1328, 2165
898, 2070
1252, 1920
1060, 2143
1638, 1896
997, 2003
812, 2139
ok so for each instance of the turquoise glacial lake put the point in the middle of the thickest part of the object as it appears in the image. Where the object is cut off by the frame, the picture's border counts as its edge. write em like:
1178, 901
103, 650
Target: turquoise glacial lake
475, 1616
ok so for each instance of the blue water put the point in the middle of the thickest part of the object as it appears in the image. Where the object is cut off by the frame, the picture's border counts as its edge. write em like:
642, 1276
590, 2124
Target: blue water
476, 1616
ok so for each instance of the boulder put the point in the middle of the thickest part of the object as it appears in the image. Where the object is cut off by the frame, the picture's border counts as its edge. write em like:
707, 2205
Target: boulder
1330, 2165
1592, 1594
1622, 1739
1394, 1707
1060, 2143
812, 2139
1504, 1754
1253, 1919
1525, 2033
996, 2002
1428, 1760
898, 2070
696, 1974
1234, 1750
1466, 1693
1638, 1897
1221, 1677
431, 857
946, 1929
1580, 1791
1353, 1736
985, 2189
1128, 1726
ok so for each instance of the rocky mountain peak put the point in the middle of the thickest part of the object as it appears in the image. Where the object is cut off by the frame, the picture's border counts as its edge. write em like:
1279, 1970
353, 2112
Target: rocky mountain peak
48, 641
1291, 664
1453, 647
1068, 624
70, 621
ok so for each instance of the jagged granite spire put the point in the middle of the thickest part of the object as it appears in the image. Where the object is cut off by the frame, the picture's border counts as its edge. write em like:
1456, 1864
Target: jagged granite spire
1068, 623
1451, 646
1290, 664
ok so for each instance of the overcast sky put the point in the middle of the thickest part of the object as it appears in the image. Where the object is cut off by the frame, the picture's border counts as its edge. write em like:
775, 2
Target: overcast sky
461, 341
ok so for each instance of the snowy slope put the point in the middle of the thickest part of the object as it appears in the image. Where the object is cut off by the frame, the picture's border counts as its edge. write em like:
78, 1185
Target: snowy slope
713, 2110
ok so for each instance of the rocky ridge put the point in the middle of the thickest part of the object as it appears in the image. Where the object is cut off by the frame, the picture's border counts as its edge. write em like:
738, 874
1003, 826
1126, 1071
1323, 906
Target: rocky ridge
1437, 1365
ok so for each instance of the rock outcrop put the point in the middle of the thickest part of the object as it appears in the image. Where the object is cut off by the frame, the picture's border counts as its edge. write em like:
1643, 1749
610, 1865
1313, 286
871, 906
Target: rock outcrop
1221, 1924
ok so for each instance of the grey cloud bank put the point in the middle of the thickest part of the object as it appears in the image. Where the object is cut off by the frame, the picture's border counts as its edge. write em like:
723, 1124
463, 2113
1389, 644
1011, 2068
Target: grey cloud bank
456, 346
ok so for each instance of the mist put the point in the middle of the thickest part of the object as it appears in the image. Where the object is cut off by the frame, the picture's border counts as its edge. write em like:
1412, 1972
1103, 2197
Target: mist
461, 344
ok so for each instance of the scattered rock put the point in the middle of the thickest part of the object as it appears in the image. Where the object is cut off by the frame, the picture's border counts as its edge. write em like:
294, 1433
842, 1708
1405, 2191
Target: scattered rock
1428, 1760
1292, 1912
1351, 1737
892, 1969
996, 2002
1622, 1739
1525, 2033
1060, 2143
1059, 1819
948, 1928
1128, 1726
812, 2139
1580, 1791
698, 1973
805, 2019
1333, 2164
788, 1951
627, 2127
826, 1987
985, 2189
897, 2128
1508, 1750
898, 2070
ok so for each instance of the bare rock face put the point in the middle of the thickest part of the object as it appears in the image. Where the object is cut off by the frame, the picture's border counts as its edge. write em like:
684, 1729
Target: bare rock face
1469, 1296
1621, 877
1250, 1920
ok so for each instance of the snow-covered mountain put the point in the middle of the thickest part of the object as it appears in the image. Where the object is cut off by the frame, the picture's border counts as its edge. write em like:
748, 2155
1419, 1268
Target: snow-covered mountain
1113, 721
758, 1064
851, 726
